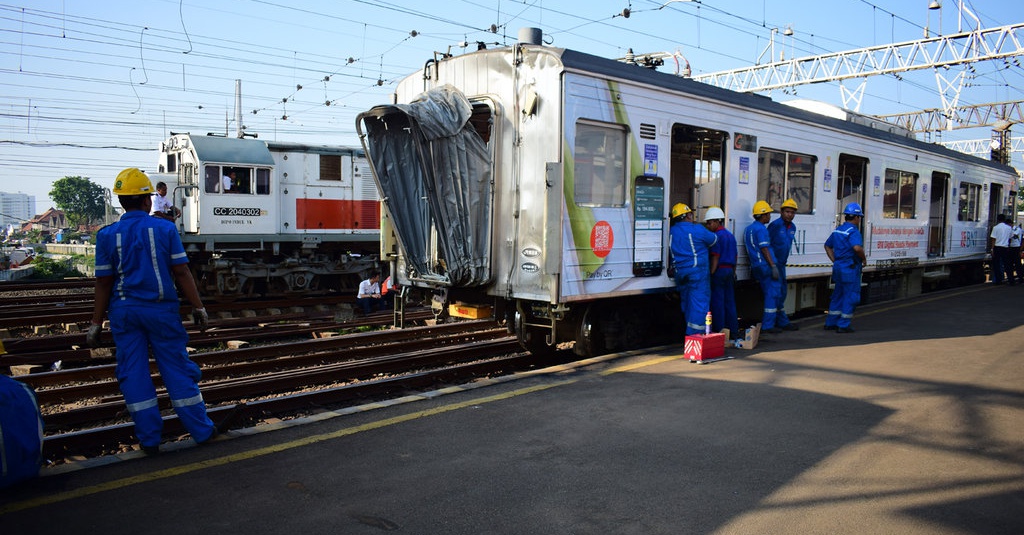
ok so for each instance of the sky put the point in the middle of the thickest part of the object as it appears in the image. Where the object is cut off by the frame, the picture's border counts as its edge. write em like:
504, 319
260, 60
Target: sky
89, 87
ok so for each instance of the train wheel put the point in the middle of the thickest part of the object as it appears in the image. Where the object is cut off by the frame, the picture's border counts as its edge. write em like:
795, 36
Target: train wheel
590, 337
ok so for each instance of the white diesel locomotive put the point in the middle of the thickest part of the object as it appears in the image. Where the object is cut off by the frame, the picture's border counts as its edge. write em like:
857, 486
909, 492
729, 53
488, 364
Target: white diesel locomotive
271, 218
537, 180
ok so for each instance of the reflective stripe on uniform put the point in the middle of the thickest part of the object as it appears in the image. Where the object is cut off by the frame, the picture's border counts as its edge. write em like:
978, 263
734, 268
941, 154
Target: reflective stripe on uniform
194, 400
156, 264
142, 405
120, 265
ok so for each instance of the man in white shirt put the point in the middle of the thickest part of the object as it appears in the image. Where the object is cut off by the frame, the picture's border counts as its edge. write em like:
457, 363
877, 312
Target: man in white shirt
369, 293
1001, 234
162, 206
229, 181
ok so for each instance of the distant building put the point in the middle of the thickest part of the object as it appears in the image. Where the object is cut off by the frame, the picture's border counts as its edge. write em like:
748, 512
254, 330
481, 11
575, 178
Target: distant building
16, 208
48, 222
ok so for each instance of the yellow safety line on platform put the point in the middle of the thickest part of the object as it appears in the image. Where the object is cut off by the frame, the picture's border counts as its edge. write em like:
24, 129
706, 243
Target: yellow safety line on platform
251, 454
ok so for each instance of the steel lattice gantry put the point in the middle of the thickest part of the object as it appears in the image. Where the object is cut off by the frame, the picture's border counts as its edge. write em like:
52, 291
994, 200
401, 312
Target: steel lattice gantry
948, 50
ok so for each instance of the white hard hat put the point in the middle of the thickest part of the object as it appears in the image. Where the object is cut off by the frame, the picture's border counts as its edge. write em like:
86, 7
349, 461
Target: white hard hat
714, 213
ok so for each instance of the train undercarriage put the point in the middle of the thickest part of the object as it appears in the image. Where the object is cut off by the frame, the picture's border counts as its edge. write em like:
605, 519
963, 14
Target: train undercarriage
625, 323
250, 273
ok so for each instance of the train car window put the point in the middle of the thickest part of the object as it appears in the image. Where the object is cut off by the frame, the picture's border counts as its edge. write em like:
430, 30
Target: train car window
172, 163
330, 167
482, 120
599, 172
970, 202
213, 178
785, 175
899, 201
263, 181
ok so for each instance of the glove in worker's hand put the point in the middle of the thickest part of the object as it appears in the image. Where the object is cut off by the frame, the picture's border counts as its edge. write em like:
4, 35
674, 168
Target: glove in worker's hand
200, 318
775, 273
92, 338
671, 272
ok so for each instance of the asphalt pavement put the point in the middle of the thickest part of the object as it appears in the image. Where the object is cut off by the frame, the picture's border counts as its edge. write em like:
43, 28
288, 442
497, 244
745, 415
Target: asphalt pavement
912, 425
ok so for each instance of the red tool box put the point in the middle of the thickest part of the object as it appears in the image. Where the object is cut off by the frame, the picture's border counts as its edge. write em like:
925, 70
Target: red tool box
704, 347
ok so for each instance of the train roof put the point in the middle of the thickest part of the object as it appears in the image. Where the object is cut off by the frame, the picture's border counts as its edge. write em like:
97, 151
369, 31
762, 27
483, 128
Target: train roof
231, 150
291, 146
579, 61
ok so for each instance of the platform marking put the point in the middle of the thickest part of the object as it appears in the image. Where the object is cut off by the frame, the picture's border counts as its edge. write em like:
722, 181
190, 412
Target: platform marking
259, 452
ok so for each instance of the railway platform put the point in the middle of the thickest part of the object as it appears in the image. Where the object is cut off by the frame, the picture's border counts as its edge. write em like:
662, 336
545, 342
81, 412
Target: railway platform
913, 425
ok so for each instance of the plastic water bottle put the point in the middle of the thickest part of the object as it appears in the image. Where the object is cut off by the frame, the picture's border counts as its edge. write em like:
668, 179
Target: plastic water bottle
707, 323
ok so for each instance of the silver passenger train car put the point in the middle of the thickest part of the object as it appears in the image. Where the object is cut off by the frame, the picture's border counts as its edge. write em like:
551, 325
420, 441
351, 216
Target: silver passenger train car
538, 180
271, 218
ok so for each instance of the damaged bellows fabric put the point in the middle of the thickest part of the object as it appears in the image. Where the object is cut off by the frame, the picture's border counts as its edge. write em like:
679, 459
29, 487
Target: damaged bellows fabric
429, 150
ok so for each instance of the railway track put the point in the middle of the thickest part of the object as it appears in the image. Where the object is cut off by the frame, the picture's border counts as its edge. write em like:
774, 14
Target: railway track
85, 415
60, 310
297, 360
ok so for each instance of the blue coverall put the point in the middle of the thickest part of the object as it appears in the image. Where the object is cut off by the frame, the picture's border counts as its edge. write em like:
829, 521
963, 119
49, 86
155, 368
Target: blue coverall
690, 243
781, 236
21, 433
723, 284
754, 238
138, 251
846, 269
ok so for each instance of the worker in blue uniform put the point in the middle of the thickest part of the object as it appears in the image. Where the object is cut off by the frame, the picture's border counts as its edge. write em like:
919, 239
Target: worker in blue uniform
782, 233
689, 259
139, 259
722, 266
845, 248
21, 432
763, 265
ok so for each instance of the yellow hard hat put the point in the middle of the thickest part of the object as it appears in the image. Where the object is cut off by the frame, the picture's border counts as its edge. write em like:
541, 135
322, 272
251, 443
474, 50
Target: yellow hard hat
131, 181
790, 203
679, 209
761, 207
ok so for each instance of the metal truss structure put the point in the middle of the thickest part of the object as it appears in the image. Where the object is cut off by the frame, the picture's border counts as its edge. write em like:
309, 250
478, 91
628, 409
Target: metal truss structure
934, 119
982, 147
938, 53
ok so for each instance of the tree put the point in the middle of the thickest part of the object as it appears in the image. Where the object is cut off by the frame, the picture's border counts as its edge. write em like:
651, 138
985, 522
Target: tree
81, 200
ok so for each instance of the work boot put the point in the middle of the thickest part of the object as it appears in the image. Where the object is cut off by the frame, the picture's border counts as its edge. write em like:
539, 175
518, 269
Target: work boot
844, 330
831, 327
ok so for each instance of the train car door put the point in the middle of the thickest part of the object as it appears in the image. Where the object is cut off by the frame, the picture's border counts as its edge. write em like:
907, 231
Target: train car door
937, 215
696, 167
850, 183
186, 197
995, 202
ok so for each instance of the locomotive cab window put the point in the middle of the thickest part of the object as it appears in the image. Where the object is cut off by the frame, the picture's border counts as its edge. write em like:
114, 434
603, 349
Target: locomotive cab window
236, 180
242, 182
262, 181
900, 197
599, 172
785, 175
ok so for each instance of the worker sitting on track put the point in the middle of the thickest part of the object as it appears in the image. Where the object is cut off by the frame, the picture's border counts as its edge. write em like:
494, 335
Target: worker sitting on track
138, 261
763, 265
782, 232
845, 248
689, 261
369, 298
